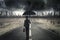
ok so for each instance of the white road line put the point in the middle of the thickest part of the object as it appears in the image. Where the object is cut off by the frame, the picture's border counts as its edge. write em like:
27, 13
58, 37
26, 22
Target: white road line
30, 35
30, 30
30, 39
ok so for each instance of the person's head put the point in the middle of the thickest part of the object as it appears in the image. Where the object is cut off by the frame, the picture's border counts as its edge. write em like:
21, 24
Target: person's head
26, 17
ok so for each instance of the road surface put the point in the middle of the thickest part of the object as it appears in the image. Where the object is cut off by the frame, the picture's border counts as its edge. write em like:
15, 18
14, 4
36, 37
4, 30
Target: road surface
37, 33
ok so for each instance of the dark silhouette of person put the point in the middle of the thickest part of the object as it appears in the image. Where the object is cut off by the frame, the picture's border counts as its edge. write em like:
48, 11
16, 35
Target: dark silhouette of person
26, 25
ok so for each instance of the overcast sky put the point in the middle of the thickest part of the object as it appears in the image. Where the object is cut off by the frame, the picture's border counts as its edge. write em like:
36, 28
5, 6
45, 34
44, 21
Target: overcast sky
36, 4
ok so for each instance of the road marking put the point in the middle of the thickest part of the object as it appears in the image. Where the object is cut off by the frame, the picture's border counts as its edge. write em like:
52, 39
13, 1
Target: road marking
30, 39
30, 30
30, 35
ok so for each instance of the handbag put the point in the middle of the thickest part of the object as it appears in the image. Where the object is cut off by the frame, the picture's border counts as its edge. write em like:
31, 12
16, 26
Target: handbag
24, 29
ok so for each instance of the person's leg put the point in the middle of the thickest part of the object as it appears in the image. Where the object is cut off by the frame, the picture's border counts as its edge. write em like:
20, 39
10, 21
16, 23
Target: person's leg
27, 34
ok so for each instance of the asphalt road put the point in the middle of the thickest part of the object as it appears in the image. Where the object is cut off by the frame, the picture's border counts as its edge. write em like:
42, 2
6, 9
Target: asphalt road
37, 33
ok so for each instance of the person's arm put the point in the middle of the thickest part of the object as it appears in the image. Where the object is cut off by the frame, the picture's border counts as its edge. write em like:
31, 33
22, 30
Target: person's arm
24, 23
29, 21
